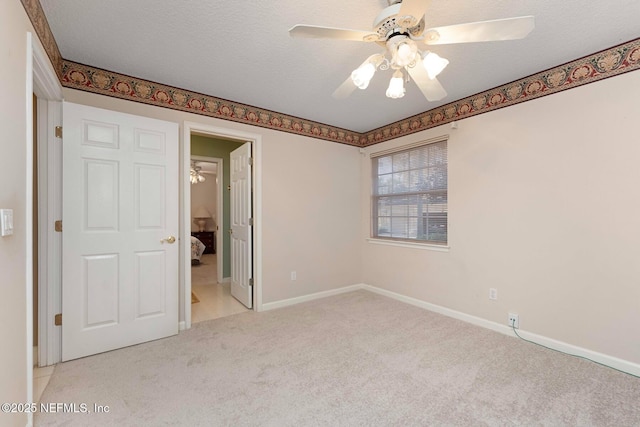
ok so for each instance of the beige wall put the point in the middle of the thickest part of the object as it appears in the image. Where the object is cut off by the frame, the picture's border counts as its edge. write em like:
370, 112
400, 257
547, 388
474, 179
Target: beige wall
14, 25
205, 194
311, 209
544, 206
311, 216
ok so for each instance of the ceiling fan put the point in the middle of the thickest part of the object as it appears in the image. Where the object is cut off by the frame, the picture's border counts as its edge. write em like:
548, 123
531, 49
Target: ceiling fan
400, 29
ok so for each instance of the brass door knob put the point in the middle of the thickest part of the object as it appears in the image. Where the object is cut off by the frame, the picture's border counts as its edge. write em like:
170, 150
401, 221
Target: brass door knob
169, 240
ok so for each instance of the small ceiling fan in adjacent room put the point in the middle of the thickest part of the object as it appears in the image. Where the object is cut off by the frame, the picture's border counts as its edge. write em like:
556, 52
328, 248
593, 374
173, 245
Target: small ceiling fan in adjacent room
400, 29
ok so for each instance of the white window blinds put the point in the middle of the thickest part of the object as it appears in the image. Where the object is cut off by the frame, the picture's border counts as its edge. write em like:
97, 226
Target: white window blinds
409, 196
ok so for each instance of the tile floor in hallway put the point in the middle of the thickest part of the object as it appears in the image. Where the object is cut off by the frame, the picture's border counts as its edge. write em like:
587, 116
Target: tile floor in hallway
215, 298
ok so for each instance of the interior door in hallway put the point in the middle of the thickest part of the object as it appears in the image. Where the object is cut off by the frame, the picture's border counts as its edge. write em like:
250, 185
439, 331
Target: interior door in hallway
241, 227
120, 225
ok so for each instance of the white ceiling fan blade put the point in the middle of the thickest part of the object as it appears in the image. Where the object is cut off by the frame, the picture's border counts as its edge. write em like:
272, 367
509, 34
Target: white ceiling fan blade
430, 88
482, 31
345, 89
415, 8
317, 32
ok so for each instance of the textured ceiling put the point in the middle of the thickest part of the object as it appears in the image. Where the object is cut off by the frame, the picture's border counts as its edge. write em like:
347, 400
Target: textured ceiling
241, 50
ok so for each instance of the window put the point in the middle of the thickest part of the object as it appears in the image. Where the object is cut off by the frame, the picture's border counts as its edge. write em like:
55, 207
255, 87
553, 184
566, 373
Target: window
409, 198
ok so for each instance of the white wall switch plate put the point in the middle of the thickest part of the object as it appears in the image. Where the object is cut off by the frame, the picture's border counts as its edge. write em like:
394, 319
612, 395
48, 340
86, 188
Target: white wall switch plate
6, 222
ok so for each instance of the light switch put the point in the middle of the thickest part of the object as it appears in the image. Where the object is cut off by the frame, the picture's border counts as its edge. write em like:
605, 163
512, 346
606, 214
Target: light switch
6, 222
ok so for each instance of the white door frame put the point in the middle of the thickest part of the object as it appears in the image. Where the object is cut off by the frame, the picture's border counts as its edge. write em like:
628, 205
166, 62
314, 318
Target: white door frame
49, 241
42, 80
219, 209
185, 203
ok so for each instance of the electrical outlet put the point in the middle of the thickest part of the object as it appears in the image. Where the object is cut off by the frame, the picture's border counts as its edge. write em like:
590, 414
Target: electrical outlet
514, 320
493, 294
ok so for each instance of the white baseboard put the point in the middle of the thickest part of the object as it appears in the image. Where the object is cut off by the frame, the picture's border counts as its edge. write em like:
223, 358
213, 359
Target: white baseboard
226, 280
442, 310
182, 325
614, 362
310, 297
605, 359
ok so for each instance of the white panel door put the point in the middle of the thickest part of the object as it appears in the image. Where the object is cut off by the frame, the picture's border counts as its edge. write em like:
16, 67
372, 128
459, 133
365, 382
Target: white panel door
120, 216
241, 236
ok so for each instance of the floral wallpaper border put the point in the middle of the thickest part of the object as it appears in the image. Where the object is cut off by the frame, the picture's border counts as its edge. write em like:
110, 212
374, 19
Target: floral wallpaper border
607, 63
84, 77
41, 25
601, 65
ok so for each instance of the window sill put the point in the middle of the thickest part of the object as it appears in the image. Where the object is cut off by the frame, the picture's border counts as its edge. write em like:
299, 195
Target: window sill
404, 244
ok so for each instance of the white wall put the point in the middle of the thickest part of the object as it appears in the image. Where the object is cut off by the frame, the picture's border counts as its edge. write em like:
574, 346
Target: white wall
543, 206
14, 26
311, 203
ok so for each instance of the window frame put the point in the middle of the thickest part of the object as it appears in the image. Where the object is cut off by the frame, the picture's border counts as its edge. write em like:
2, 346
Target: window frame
374, 217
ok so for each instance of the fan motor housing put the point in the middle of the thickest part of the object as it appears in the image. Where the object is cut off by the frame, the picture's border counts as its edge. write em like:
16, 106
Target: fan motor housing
387, 23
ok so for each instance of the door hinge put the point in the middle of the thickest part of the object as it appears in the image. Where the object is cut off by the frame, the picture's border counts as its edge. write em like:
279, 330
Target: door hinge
251, 282
251, 222
57, 319
250, 161
58, 226
58, 131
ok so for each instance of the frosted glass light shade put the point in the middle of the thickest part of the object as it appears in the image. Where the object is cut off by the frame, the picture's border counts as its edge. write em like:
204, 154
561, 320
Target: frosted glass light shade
396, 86
362, 75
434, 64
406, 53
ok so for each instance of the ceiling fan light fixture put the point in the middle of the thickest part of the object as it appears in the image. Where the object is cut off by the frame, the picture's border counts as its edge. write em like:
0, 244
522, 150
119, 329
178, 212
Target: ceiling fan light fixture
396, 86
195, 174
434, 64
400, 28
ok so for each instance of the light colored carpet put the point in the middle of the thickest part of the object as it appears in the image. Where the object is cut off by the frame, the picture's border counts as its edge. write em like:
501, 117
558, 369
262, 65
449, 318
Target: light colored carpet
357, 359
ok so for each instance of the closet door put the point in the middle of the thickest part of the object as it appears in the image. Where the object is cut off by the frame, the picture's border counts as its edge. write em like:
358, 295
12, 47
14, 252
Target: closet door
120, 223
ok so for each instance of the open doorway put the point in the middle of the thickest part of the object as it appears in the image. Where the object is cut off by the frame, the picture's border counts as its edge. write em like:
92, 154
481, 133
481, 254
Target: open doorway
192, 130
210, 290
214, 145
